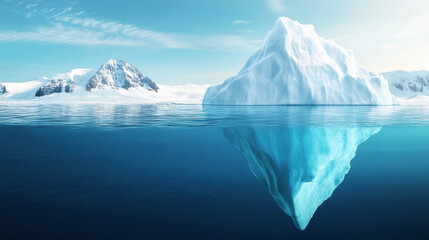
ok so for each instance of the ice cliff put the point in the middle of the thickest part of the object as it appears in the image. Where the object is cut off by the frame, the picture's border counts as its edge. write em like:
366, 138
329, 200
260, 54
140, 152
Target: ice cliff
295, 66
300, 166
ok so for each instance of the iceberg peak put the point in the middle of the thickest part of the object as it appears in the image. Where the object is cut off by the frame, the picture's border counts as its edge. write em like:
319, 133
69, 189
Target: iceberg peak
287, 25
296, 66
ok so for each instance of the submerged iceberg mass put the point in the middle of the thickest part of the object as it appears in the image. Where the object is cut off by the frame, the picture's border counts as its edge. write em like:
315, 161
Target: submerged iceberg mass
295, 66
300, 166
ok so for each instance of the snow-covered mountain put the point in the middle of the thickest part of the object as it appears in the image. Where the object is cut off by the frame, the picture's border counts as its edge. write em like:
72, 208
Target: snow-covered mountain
17, 91
120, 74
3, 89
114, 74
66, 82
408, 84
115, 82
297, 67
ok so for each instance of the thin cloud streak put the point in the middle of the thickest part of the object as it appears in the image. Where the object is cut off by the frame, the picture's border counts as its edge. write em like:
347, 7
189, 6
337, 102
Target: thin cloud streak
61, 34
31, 5
74, 28
115, 28
241, 22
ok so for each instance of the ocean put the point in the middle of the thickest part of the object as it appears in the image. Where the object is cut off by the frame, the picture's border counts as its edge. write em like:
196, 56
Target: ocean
192, 172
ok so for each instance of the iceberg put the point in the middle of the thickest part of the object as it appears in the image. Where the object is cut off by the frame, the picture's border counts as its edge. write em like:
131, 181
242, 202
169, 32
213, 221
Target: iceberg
295, 66
301, 166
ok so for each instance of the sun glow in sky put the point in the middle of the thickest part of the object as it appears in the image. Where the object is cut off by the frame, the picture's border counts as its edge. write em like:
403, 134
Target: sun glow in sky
194, 41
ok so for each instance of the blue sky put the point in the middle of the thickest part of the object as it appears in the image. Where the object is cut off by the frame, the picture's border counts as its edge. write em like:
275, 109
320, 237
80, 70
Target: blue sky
195, 41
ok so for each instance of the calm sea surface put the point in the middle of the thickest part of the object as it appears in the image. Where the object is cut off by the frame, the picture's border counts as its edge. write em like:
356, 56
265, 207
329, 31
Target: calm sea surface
193, 172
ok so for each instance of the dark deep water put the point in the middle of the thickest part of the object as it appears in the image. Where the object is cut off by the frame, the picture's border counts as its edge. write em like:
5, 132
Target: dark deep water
145, 173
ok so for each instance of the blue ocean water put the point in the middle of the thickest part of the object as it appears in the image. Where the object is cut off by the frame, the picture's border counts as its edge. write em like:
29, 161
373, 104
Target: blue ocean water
188, 172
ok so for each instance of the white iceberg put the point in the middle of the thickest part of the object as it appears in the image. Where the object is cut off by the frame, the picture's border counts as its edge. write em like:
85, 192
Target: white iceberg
295, 66
300, 166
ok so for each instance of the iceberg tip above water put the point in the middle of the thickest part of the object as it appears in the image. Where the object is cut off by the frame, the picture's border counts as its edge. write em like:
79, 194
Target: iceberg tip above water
295, 66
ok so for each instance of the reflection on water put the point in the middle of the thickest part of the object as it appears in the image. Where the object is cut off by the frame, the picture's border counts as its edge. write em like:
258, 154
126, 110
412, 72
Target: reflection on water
135, 115
300, 166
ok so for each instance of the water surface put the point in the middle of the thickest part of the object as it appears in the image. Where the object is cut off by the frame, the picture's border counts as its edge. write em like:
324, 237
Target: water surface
188, 172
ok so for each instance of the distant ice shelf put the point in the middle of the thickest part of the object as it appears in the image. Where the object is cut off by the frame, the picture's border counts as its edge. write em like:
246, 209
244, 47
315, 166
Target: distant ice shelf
19, 93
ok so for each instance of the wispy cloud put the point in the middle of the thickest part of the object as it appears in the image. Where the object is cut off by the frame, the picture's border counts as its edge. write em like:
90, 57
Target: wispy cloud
31, 5
241, 22
68, 26
118, 30
61, 34
57, 33
277, 6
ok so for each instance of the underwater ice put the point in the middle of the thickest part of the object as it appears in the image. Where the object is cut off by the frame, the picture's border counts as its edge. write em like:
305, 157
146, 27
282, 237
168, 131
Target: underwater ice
295, 66
300, 166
